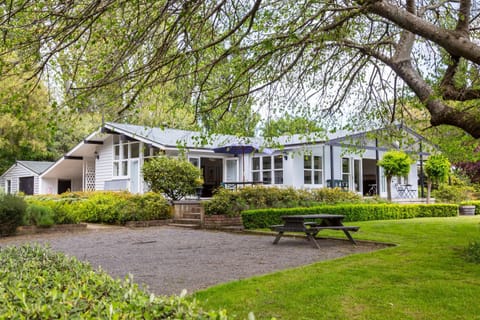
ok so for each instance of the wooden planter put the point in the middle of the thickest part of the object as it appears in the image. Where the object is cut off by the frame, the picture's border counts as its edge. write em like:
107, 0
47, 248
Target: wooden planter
466, 210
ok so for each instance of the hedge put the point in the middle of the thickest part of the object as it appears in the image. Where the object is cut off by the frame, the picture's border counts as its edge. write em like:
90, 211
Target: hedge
262, 218
232, 203
37, 283
104, 207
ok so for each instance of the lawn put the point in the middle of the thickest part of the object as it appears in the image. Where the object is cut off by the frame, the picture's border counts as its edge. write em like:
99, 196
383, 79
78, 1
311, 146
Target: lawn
423, 277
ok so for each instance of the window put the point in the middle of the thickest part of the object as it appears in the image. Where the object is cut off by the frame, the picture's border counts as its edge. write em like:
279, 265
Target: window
8, 186
268, 169
195, 161
312, 170
346, 173
122, 152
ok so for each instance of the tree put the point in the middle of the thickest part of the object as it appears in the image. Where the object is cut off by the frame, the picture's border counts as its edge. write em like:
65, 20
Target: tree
437, 168
176, 178
394, 163
290, 125
25, 123
363, 53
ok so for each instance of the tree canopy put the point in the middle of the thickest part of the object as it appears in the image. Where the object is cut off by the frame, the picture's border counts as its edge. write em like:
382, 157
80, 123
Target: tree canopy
353, 57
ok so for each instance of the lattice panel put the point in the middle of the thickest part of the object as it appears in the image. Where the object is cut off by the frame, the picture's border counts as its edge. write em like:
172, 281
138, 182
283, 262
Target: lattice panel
90, 175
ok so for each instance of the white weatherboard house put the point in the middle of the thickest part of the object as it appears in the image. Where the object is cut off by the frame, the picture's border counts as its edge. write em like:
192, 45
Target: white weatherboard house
112, 157
23, 176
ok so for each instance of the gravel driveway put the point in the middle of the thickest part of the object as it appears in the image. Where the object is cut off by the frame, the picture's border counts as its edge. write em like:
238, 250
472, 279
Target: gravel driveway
169, 259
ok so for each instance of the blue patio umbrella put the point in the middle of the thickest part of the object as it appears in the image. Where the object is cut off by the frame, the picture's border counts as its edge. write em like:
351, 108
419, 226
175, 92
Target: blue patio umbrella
240, 147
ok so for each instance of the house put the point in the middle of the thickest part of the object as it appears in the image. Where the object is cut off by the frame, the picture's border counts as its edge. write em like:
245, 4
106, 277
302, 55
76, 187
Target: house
24, 176
111, 158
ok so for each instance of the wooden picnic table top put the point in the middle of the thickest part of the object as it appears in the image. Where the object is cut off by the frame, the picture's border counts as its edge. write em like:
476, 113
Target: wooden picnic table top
314, 216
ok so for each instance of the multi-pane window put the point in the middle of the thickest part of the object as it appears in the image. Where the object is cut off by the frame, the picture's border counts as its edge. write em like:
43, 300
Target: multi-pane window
122, 152
268, 169
312, 169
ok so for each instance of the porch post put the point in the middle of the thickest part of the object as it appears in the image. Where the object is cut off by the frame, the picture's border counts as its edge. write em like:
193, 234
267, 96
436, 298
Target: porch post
332, 184
377, 169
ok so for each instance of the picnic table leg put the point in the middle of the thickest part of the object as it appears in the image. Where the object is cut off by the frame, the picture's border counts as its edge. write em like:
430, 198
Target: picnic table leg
349, 236
311, 238
277, 238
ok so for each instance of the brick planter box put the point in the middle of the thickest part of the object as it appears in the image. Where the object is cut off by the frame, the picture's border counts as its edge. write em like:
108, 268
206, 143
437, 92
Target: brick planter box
221, 221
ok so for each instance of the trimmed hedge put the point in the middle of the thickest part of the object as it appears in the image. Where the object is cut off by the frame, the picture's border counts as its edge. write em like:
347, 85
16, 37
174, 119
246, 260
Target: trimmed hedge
36, 283
232, 203
104, 207
262, 218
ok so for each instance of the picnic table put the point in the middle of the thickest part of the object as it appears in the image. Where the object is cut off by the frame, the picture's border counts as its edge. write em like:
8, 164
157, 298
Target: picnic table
311, 225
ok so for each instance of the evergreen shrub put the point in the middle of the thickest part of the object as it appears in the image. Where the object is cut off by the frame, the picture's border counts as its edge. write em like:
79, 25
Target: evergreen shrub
263, 218
12, 210
38, 283
232, 203
105, 207
38, 215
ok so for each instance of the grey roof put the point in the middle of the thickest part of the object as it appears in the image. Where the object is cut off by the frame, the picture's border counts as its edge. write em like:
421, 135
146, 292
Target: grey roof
175, 137
36, 166
192, 139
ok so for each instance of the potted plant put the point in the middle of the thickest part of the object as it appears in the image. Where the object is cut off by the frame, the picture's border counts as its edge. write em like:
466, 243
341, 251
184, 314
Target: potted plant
199, 187
466, 209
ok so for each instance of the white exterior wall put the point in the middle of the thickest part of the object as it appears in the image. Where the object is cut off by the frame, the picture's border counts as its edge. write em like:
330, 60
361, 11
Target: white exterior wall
49, 186
104, 163
14, 173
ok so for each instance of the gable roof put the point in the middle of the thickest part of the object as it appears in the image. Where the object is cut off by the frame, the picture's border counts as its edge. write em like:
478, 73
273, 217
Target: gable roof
36, 167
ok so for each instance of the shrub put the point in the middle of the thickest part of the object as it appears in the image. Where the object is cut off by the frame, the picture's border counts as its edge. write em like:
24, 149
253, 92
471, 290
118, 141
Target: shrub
105, 207
262, 218
150, 206
472, 251
40, 284
61, 208
452, 193
233, 202
335, 195
12, 210
37, 215
174, 177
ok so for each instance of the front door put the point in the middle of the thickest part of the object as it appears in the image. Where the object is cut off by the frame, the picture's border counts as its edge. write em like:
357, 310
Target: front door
64, 186
231, 168
212, 169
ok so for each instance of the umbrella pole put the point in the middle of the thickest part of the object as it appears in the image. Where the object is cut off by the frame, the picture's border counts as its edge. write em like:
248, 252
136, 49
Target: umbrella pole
243, 166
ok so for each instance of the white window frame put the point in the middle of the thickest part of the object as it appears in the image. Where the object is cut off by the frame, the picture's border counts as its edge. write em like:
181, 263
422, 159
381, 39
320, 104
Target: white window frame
313, 170
271, 171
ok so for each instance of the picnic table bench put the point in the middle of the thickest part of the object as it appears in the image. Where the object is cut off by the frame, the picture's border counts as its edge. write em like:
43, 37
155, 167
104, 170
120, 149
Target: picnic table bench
303, 223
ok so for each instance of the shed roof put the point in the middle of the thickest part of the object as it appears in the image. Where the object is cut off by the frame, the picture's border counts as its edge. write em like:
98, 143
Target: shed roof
37, 167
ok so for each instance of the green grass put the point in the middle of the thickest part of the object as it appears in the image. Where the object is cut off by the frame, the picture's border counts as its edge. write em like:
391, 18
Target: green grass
424, 277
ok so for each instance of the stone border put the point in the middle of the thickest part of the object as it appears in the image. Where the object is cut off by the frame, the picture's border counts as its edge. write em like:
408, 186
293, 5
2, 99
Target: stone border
147, 223
25, 230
